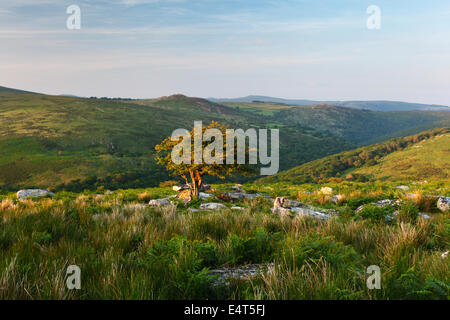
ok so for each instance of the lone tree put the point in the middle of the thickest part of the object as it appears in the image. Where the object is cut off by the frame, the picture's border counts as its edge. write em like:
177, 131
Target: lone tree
181, 152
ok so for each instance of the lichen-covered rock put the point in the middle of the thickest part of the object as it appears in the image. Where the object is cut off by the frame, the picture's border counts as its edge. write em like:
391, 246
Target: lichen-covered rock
443, 204
240, 196
205, 196
284, 207
211, 206
160, 202
24, 194
311, 213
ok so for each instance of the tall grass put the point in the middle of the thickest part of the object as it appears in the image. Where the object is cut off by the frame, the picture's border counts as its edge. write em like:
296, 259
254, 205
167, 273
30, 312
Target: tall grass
129, 251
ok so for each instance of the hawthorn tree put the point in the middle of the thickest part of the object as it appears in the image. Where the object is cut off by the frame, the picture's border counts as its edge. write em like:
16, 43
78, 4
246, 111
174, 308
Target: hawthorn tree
189, 170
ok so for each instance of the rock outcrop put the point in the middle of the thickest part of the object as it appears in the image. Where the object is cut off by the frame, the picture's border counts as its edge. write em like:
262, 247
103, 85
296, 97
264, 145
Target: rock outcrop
284, 206
240, 196
24, 194
160, 202
212, 206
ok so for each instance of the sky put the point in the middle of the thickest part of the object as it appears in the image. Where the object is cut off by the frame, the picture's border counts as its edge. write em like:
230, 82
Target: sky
304, 49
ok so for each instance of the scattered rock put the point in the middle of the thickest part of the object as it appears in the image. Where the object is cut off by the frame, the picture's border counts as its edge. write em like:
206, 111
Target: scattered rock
159, 202
237, 208
380, 203
395, 213
211, 206
234, 196
285, 207
443, 204
182, 187
326, 191
424, 216
242, 272
311, 213
237, 188
286, 203
205, 196
402, 188
240, 196
24, 194
444, 255
337, 198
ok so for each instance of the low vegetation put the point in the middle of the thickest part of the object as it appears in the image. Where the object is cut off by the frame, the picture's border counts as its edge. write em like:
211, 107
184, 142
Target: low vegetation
127, 250
421, 156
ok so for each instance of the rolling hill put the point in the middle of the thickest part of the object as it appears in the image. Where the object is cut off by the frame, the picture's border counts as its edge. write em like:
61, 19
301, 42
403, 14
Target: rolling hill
381, 105
422, 156
77, 143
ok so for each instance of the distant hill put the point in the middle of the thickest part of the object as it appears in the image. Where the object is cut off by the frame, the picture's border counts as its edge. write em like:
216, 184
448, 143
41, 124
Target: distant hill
369, 105
422, 156
10, 90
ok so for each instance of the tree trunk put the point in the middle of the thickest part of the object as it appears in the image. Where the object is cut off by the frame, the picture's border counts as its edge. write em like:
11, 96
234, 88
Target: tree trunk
196, 183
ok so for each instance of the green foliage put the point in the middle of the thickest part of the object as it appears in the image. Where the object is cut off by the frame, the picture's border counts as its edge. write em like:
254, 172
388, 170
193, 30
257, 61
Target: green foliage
375, 213
257, 248
408, 212
315, 247
341, 164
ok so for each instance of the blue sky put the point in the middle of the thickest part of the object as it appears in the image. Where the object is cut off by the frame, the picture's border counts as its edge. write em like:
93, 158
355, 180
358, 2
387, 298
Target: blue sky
293, 49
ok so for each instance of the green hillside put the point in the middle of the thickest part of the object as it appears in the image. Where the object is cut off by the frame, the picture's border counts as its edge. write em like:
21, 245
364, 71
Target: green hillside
358, 126
426, 160
422, 156
77, 143
86, 143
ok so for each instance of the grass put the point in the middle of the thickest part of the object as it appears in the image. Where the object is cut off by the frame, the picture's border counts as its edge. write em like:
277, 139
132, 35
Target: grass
129, 251
421, 156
